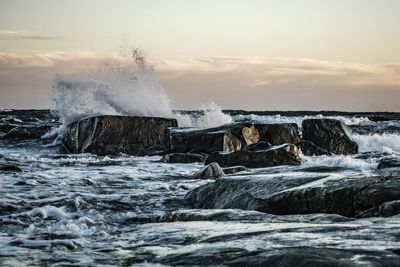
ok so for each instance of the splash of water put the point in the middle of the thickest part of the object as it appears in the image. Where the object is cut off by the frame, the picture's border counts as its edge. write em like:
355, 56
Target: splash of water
385, 143
124, 86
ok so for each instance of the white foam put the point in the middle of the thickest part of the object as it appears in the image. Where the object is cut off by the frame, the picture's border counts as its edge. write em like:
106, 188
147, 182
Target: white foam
385, 143
298, 119
348, 162
50, 212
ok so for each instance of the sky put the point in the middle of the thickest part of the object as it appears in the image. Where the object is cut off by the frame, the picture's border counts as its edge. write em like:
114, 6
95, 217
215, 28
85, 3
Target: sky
254, 55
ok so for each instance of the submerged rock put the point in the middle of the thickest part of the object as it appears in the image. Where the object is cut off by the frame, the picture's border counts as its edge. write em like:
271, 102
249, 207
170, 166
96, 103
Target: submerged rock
235, 169
104, 135
24, 133
183, 158
389, 163
6, 127
329, 134
350, 196
287, 154
9, 168
211, 171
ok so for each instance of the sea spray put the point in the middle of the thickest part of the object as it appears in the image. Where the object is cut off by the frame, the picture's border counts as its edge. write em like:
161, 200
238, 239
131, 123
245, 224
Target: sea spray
123, 86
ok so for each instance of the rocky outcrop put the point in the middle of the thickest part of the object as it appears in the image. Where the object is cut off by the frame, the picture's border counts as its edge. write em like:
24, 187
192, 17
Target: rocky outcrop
229, 138
310, 149
280, 155
232, 137
211, 171
278, 134
331, 135
351, 196
183, 158
104, 135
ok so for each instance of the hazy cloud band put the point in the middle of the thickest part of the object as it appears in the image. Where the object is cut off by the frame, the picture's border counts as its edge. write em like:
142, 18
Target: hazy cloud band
233, 82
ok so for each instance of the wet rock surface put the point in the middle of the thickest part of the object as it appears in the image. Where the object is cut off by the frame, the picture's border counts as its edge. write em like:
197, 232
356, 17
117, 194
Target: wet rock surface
329, 134
225, 138
278, 134
310, 149
349, 196
389, 163
105, 135
211, 171
274, 156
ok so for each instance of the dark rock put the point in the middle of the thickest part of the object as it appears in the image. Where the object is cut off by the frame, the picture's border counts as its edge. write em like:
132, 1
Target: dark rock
17, 133
323, 169
300, 256
235, 169
389, 208
332, 135
24, 133
9, 168
259, 146
389, 163
229, 138
351, 196
367, 201
211, 171
280, 155
278, 134
6, 127
310, 149
183, 158
105, 135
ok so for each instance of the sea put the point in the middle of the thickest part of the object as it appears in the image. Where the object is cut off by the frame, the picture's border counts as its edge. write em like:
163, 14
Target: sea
123, 210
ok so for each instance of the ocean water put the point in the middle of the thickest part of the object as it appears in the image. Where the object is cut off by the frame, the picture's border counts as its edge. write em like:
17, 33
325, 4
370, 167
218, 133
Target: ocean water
88, 210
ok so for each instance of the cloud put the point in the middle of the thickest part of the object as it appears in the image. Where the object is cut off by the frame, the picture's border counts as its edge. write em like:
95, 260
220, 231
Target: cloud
46, 59
247, 71
24, 35
252, 83
258, 72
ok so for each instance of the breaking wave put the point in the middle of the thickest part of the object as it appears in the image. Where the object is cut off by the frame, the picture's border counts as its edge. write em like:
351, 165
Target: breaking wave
385, 143
298, 119
124, 86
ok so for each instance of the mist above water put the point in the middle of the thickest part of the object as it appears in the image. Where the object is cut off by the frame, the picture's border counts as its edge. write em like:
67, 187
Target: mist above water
124, 86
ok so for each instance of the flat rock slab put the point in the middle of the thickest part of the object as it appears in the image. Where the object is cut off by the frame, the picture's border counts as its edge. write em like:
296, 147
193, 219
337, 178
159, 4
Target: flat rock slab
312, 193
105, 135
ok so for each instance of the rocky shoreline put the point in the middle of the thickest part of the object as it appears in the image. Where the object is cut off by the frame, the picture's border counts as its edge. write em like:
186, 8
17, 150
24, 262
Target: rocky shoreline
190, 199
246, 145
